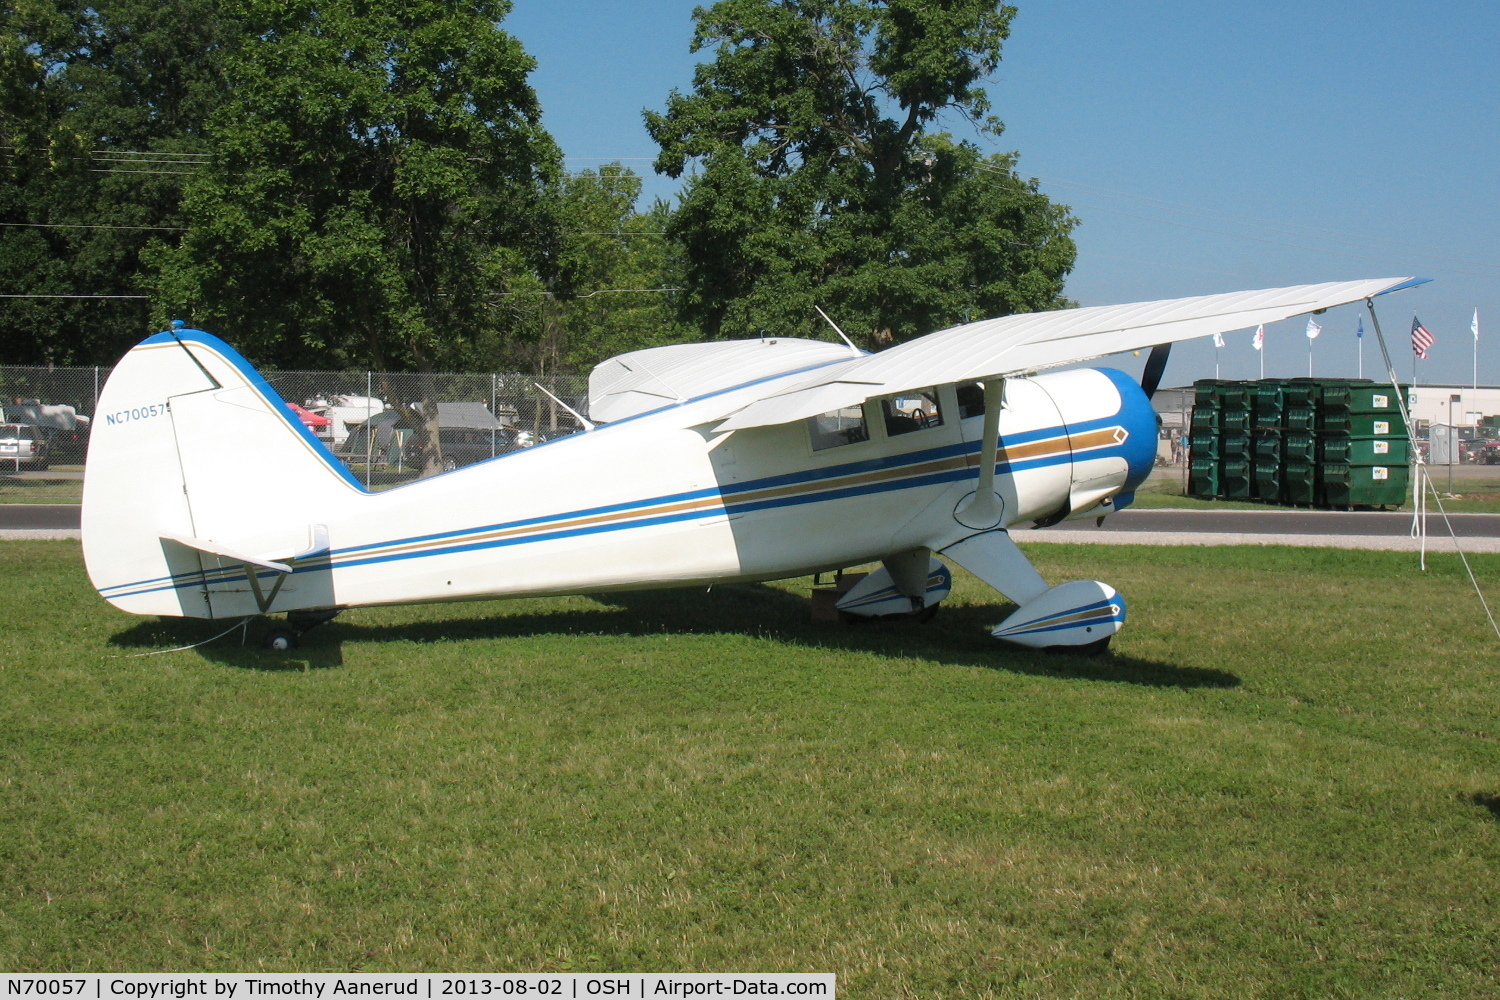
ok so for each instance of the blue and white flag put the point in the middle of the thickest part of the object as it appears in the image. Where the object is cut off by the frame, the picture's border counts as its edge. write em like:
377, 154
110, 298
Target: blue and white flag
1359, 331
1313, 329
1218, 340
1474, 325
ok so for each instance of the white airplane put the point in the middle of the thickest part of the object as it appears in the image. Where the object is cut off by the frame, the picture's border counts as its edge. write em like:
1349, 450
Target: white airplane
205, 497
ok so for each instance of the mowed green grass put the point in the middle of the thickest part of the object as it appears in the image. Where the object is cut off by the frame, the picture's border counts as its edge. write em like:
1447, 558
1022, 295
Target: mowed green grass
17, 490
1285, 783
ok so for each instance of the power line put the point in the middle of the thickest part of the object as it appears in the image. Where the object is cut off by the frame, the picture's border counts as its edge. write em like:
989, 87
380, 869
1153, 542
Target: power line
589, 295
71, 225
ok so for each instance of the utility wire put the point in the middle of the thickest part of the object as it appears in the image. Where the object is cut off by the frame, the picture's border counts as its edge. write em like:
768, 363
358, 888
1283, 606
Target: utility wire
72, 225
589, 295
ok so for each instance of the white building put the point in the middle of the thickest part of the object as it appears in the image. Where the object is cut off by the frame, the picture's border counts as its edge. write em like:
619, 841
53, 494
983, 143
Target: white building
1429, 404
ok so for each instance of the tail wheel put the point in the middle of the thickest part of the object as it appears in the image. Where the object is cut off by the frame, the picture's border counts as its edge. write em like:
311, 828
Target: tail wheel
449, 465
280, 640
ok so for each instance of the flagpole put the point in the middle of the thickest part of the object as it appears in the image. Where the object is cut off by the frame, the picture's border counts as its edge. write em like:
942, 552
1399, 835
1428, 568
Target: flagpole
1414, 353
1361, 357
1475, 328
1309, 357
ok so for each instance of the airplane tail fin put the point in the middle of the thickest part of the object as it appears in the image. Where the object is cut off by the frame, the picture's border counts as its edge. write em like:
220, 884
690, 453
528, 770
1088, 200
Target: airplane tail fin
193, 460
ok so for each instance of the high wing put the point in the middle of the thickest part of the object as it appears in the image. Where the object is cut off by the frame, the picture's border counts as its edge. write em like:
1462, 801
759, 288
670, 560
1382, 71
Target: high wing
1031, 341
649, 379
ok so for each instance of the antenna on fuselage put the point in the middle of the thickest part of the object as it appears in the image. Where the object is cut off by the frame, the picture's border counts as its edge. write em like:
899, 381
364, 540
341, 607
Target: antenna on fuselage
576, 415
852, 349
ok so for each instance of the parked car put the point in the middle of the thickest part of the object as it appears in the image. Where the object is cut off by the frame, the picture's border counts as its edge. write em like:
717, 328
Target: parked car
66, 447
65, 430
24, 445
467, 445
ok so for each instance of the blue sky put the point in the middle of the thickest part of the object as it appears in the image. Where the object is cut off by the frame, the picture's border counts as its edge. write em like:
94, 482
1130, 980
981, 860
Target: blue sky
1206, 148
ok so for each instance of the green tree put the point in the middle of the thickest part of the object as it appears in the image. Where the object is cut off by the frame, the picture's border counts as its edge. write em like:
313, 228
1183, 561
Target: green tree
379, 170
102, 107
819, 180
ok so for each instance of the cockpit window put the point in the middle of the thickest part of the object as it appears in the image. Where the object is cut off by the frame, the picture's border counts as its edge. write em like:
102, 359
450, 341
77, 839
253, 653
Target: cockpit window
912, 411
970, 400
837, 427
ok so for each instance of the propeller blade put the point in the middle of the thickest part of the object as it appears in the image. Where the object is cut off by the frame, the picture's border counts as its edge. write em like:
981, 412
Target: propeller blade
1156, 366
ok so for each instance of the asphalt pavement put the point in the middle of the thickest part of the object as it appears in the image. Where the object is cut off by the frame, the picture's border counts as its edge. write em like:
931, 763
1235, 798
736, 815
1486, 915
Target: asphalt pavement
39, 516
1285, 522
27, 516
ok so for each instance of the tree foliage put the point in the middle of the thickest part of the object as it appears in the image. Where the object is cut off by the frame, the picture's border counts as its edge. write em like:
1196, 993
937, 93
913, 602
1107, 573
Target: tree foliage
616, 267
820, 181
378, 172
351, 183
102, 112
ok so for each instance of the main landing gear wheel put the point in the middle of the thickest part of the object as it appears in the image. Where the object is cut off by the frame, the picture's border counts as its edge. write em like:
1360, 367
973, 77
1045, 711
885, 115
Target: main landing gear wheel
922, 617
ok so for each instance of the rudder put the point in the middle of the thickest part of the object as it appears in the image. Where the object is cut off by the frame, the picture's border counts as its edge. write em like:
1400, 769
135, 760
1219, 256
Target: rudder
190, 442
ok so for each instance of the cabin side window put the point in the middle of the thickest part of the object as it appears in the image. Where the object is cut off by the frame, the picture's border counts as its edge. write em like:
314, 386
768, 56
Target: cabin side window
838, 427
912, 411
970, 400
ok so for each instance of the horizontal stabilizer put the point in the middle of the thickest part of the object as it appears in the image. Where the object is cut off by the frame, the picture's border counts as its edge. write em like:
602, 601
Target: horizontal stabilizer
225, 552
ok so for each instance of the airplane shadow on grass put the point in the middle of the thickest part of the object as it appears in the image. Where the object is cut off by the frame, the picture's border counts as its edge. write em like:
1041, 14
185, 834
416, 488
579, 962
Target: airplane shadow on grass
959, 635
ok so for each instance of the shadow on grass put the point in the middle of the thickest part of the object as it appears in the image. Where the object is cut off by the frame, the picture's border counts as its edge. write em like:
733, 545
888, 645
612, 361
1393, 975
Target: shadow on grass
959, 636
1487, 801
168, 633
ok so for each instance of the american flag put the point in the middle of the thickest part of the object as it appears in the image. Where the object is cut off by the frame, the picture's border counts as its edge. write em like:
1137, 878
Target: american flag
1421, 338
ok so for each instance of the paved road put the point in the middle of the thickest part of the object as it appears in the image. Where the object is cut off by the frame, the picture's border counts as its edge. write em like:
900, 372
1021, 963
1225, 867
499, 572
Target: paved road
1287, 522
39, 515
1251, 522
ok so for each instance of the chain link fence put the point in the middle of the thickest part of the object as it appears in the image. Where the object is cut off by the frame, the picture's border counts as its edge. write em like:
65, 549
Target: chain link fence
387, 427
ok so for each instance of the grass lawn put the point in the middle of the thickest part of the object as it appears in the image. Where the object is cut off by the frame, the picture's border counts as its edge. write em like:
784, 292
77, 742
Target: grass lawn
1285, 783
13, 490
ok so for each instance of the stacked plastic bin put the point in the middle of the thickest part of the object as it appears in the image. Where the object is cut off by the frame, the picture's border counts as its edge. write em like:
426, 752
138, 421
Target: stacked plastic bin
1299, 443
1203, 454
1235, 442
1266, 399
1363, 448
1336, 443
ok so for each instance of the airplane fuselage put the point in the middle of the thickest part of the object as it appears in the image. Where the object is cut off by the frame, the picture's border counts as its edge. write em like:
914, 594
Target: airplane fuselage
655, 500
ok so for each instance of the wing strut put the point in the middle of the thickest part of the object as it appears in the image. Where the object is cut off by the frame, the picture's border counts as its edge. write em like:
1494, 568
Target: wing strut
986, 509
576, 415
